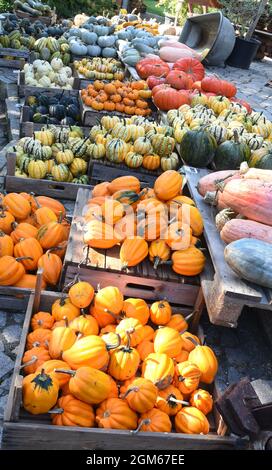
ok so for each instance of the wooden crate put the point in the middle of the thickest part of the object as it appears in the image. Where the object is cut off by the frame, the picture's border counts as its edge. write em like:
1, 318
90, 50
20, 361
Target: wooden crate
15, 299
90, 117
55, 189
20, 58
48, 20
27, 127
26, 90
24, 431
139, 281
103, 170
225, 294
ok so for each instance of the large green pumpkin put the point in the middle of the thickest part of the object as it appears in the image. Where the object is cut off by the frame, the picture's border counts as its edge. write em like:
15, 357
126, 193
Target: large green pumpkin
230, 154
251, 259
261, 158
197, 148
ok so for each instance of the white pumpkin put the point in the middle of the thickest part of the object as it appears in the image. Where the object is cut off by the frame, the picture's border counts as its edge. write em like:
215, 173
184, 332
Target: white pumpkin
67, 70
45, 82
61, 79
56, 64
44, 68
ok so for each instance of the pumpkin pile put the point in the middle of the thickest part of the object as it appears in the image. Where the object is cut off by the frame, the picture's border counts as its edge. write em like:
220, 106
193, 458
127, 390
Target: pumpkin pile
100, 69
158, 223
49, 75
135, 141
55, 153
124, 97
245, 219
134, 43
57, 109
33, 234
117, 364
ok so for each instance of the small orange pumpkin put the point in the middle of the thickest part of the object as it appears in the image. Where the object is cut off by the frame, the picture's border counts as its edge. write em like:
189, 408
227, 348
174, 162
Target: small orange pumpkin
73, 412
170, 400
160, 312
38, 338
81, 294
115, 413
190, 420
159, 368
33, 358
42, 320
154, 421
136, 308
141, 395
202, 400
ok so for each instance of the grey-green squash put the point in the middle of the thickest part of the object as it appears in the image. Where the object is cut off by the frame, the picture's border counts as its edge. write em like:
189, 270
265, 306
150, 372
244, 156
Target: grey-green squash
197, 148
231, 153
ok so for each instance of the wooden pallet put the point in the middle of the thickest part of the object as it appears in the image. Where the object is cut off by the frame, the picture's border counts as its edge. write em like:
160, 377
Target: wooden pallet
26, 90
24, 431
139, 281
225, 294
20, 58
58, 190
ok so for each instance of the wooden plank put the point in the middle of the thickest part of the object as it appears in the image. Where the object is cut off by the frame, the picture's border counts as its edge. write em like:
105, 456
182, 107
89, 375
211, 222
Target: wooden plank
103, 170
14, 52
27, 127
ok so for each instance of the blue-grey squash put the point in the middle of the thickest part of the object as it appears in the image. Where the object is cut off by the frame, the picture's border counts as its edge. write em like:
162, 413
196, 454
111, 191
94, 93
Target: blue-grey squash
106, 41
101, 30
125, 35
88, 26
75, 32
78, 48
251, 259
94, 50
144, 48
109, 52
88, 37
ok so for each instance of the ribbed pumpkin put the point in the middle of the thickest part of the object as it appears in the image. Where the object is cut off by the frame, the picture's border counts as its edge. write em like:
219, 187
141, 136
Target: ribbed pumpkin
189, 262
40, 392
33, 358
189, 341
133, 251
112, 211
37, 169
45, 201
145, 348
147, 333
168, 185
187, 376
99, 235
158, 251
134, 327
42, 320
182, 357
136, 308
29, 248
17, 205
86, 325
116, 150
23, 230
202, 400
142, 145
197, 148
151, 162
168, 341
50, 235
6, 221
159, 368
99, 190
29, 281
51, 365
169, 400
64, 308
81, 294
107, 299
190, 215
160, 312
179, 235
133, 160
96, 151
178, 322
6, 245
190, 420
163, 145
124, 182
62, 338
114, 392
44, 215
124, 362
73, 412
154, 421
11, 271
205, 359
52, 266
88, 384
141, 395
38, 338
89, 351
115, 413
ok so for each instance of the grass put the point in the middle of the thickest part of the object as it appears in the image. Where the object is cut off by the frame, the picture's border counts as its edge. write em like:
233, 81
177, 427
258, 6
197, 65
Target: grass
153, 7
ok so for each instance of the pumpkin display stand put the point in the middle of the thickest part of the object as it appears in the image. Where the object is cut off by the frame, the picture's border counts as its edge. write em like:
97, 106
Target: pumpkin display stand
141, 280
25, 90
18, 61
22, 430
225, 294
55, 189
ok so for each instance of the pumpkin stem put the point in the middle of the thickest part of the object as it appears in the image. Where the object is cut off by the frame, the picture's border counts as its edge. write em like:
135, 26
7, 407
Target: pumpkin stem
60, 219
236, 136
192, 341
30, 362
66, 371
157, 261
14, 225
175, 400
211, 198
114, 346
131, 389
66, 322
56, 411
114, 315
143, 422
23, 257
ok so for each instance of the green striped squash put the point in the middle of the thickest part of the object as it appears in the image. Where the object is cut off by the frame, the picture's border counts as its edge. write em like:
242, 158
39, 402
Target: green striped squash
60, 172
37, 169
116, 150
162, 145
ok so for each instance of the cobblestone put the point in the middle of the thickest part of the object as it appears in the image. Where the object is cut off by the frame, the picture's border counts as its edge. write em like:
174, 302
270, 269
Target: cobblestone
3, 402
3, 319
12, 333
6, 365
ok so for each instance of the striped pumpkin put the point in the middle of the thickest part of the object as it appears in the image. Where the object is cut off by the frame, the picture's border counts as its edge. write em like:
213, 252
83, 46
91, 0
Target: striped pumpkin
142, 145
220, 133
66, 157
163, 145
134, 160
60, 172
78, 167
116, 150
96, 151
37, 169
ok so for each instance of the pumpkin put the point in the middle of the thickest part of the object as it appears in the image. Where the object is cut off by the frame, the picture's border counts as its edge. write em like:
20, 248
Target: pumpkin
160, 312
38, 338
170, 162
190, 215
191, 67
159, 369
6, 245
44, 215
133, 251
133, 327
230, 154
64, 308
145, 348
50, 235
252, 265
167, 340
29, 249
147, 333
141, 395
178, 322
114, 392
6, 221
100, 189
189, 341
178, 80
187, 376
152, 66
42, 320
202, 400
163, 145
189, 262
179, 235
29, 281
197, 148
170, 400
17, 205
205, 360
89, 351
86, 325
40, 392
99, 235
158, 251
218, 104
151, 162
124, 182
88, 384
142, 145
81, 294
33, 358
45, 201
136, 308
108, 299
37, 169
124, 361
73, 412
61, 339
49, 367
182, 357
236, 229
52, 266
168, 98
112, 211
168, 185
154, 421
212, 84
23, 230
133, 160
115, 413
116, 150
125, 227
11, 271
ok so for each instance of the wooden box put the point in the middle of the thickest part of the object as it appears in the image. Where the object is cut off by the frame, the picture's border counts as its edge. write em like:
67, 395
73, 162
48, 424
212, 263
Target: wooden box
22, 430
20, 58
27, 127
26, 90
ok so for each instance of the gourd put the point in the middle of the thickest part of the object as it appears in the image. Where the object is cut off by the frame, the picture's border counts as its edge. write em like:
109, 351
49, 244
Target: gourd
78, 48
130, 183
115, 413
73, 412
190, 420
94, 50
154, 420
167, 340
63, 307
6, 245
34, 358
160, 312
168, 185
197, 148
62, 338
141, 395
189, 262
230, 154
236, 229
31, 250
124, 361
136, 308
170, 163
204, 358
88, 351
40, 392
209, 182
133, 251
81, 294
187, 375
159, 369
202, 400
107, 299
170, 400
251, 260
88, 37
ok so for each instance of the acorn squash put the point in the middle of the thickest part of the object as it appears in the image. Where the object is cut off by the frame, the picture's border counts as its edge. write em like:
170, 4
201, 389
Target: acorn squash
197, 148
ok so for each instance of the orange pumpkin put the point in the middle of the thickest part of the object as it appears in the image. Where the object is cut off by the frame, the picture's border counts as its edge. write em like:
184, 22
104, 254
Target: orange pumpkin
189, 341
50, 235
101, 189
99, 235
114, 392
40, 392
6, 222
108, 299
86, 325
136, 308
42, 320
205, 359
154, 421
81, 294
38, 338
33, 358
131, 326
17, 205
133, 251
44, 215
6, 245
187, 376
129, 183
170, 400
190, 420
147, 333
141, 395
88, 351
51, 365
178, 236
145, 348
189, 262
23, 230
160, 312
182, 356
45, 201
159, 251
115, 413
62, 338
124, 362
178, 322
52, 266
73, 412
159, 368
31, 249
29, 281
168, 185
168, 341
63, 307
11, 270
202, 400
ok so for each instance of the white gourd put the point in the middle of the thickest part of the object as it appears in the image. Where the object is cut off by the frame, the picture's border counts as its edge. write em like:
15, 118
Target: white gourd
56, 64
